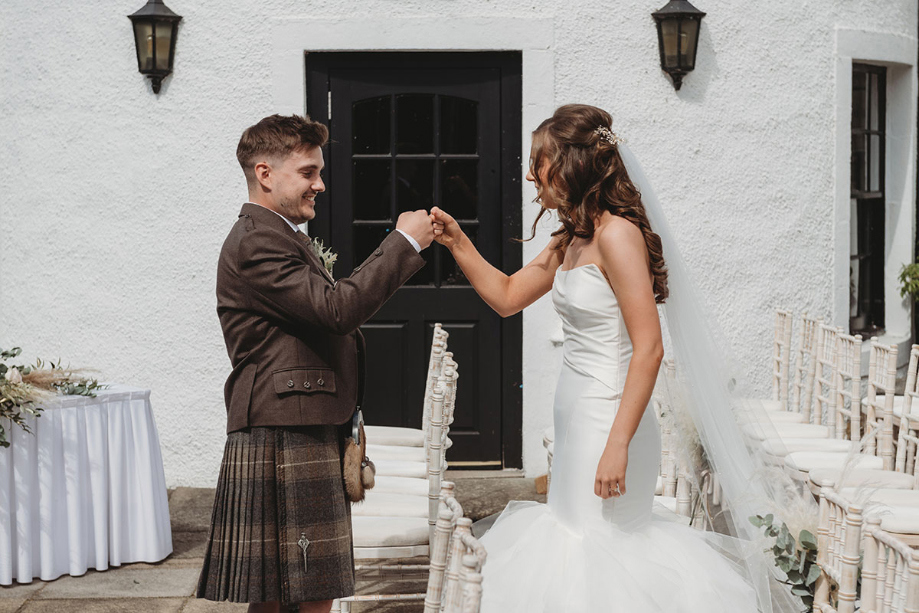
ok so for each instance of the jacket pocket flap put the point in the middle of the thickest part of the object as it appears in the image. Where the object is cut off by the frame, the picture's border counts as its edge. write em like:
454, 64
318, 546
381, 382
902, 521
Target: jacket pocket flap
303, 380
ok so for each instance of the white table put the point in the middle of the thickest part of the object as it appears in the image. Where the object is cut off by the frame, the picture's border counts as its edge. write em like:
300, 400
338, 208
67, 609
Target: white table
86, 491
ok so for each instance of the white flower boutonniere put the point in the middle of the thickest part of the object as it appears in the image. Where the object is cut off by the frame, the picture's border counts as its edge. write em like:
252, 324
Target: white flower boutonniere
326, 256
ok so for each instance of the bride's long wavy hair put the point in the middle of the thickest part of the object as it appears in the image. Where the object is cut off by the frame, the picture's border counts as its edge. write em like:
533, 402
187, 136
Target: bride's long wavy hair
586, 176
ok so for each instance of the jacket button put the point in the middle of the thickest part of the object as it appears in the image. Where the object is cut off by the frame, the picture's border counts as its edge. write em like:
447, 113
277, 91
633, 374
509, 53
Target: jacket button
306, 384
378, 252
320, 382
290, 383
357, 268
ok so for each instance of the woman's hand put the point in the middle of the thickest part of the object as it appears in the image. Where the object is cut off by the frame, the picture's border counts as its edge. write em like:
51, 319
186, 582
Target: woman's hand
446, 231
610, 479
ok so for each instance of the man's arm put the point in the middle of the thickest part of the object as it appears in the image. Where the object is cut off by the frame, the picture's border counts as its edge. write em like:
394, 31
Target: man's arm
286, 287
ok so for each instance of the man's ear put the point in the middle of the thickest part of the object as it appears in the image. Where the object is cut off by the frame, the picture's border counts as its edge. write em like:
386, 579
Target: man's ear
264, 175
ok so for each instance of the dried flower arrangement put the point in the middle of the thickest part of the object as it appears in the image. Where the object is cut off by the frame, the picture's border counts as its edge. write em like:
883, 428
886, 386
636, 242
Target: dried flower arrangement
24, 388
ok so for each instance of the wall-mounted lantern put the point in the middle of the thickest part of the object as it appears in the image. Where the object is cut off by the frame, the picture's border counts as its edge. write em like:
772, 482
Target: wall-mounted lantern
678, 37
155, 27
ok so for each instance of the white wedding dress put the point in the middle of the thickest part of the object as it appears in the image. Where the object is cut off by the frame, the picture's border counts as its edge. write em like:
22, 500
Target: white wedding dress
579, 553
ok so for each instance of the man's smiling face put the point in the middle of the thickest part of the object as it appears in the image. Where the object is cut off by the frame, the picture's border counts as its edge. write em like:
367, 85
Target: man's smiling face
296, 182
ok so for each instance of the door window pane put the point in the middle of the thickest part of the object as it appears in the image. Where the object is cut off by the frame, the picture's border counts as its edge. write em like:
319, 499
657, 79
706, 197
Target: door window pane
372, 194
459, 126
370, 125
415, 123
425, 276
414, 184
366, 240
460, 188
450, 272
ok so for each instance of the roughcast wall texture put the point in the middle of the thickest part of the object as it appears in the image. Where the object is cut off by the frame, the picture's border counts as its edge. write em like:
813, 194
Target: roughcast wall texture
115, 201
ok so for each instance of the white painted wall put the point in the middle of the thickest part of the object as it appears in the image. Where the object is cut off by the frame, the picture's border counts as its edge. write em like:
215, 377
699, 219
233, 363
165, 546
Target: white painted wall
116, 201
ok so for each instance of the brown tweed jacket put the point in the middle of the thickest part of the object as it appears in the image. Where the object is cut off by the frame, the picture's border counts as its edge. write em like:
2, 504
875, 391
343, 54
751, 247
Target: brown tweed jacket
291, 331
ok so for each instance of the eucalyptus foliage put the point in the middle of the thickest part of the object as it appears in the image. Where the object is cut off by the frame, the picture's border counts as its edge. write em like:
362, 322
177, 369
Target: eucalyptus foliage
796, 558
24, 388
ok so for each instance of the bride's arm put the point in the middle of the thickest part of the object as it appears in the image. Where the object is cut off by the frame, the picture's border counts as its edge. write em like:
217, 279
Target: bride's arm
625, 260
507, 295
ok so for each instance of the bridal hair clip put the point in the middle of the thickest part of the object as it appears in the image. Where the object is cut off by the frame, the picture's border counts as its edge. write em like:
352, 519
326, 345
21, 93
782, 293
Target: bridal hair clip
608, 135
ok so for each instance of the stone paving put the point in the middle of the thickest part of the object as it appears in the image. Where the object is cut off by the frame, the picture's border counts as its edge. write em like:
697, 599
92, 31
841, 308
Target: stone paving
167, 587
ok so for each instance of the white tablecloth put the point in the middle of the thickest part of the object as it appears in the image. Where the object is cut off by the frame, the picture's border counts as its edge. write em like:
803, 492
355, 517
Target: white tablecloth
86, 491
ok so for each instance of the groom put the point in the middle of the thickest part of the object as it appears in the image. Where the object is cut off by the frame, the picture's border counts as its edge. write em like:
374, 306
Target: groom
280, 529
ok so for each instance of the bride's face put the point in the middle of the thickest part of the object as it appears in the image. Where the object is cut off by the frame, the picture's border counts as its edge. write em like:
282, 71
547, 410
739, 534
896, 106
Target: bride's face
544, 195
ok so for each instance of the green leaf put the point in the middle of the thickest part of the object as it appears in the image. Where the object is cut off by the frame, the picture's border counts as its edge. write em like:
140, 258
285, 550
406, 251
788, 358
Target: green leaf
798, 590
807, 540
812, 574
756, 520
795, 577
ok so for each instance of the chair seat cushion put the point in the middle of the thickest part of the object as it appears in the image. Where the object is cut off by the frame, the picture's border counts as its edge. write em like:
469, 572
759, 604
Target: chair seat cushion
401, 468
806, 461
775, 417
900, 520
767, 430
394, 452
887, 479
898, 403
392, 435
389, 504
762, 404
884, 497
389, 531
782, 447
400, 485
668, 502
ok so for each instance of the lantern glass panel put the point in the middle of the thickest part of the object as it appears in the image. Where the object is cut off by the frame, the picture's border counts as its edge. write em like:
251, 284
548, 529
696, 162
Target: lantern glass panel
143, 35
689, 34
163, 40
669, 37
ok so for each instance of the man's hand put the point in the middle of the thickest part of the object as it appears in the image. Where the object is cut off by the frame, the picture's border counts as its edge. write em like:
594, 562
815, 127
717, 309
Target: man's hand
418, 225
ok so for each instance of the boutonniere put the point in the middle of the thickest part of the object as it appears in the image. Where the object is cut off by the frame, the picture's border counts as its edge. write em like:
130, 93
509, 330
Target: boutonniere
326, 256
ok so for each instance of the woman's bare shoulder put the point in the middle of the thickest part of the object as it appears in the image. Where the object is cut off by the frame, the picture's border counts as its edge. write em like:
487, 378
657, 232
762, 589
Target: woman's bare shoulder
617, 236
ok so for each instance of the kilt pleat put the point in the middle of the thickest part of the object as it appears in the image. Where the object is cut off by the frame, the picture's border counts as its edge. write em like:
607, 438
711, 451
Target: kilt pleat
279, 488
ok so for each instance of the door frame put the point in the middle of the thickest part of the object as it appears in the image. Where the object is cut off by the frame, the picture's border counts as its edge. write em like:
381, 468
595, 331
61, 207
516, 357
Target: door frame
318, 66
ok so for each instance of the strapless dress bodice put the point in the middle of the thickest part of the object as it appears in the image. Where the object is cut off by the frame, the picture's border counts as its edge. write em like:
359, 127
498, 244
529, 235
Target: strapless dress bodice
596, 340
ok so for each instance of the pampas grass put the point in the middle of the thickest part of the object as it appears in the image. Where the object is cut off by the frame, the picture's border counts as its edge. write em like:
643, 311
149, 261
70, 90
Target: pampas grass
23, 389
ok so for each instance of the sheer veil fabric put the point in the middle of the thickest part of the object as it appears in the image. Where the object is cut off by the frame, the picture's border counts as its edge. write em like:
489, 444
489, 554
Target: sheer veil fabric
708, 390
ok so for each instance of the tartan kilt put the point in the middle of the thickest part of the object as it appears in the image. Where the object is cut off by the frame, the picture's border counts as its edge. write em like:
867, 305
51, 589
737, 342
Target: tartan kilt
280, 487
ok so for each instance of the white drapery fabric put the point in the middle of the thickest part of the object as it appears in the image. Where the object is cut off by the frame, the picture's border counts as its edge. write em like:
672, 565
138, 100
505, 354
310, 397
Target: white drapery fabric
86, 491
708, 390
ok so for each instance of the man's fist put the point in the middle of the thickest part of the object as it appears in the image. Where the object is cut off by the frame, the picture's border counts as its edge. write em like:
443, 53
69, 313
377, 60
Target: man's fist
418, 225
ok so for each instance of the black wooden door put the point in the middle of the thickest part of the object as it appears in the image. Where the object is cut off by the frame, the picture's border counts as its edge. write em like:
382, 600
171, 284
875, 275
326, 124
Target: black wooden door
410, 131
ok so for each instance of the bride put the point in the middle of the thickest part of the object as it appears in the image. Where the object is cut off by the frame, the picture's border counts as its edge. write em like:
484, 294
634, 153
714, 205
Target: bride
596, 545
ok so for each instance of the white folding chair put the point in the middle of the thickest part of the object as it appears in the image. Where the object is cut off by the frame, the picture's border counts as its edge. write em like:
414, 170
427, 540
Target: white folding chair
449, 512
904, 475
838, 544
381, 437
844, 422
781, 358
890, 572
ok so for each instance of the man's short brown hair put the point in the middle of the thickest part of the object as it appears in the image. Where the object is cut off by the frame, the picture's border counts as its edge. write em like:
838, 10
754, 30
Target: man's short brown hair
275, 137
